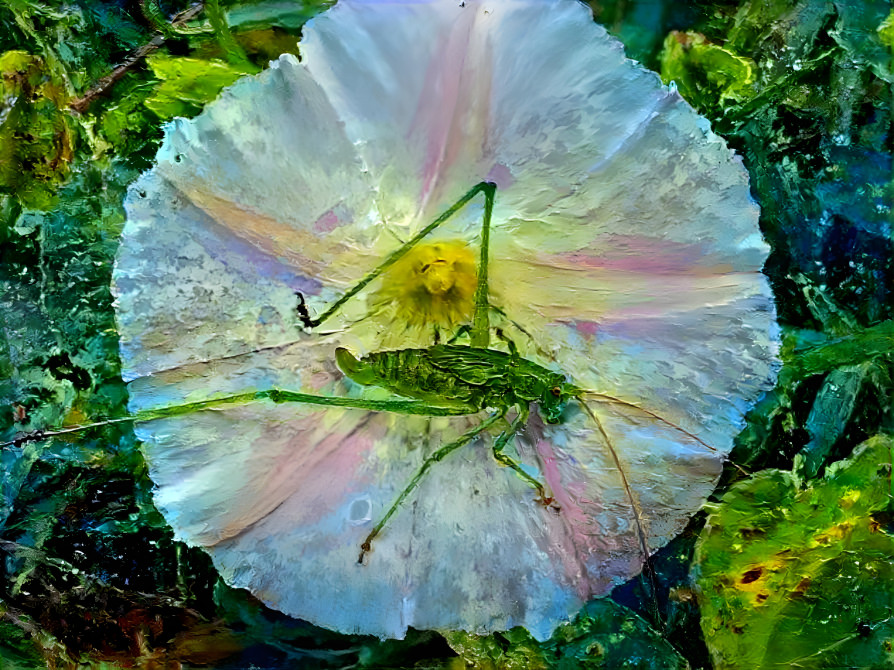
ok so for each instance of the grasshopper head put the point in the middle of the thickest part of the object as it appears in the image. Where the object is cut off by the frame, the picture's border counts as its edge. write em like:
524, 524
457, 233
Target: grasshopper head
554, 398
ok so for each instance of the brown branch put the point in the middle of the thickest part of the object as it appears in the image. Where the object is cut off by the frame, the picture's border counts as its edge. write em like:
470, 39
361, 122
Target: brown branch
81, 104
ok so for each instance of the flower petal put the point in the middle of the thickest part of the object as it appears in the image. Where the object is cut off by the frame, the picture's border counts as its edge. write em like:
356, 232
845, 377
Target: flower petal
625, 254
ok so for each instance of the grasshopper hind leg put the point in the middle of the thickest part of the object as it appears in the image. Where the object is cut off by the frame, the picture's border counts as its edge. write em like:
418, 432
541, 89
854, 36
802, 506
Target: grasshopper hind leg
427, 464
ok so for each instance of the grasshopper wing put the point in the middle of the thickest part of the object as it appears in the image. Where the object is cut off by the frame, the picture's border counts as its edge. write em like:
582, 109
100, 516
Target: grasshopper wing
473, 366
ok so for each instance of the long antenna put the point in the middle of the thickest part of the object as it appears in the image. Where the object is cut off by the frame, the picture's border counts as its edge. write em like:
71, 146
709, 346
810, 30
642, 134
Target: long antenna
276, 395
480, 322
602, 397
637, 515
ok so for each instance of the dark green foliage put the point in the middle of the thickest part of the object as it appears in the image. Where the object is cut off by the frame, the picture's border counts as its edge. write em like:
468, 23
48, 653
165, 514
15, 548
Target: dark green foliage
643, 25
17, 649
36, 140
270, 639
814, 129
91, 573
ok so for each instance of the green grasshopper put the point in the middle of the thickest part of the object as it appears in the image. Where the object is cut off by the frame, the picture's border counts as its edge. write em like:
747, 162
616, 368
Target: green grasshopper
442, 380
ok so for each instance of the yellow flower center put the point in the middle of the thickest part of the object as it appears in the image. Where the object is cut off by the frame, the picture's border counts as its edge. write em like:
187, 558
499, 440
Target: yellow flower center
438, 276
432, 285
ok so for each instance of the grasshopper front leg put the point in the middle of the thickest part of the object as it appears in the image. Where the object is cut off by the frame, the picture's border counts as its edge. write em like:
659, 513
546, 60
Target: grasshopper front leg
481, 317
509, 462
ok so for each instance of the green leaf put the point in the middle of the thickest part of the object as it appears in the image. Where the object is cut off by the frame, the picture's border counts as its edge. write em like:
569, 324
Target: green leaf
188, 83
512, 650
604, 635
824, 308
23, 646
225, 39
36, 138
859, 31
17, 650
790, 577
264, 46
707, 75
287, 14
784, 30
808, 353
829, 416
16, 64
886, 31
125, 123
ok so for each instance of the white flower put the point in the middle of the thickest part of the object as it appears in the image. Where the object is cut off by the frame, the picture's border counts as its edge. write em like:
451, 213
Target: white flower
624, 253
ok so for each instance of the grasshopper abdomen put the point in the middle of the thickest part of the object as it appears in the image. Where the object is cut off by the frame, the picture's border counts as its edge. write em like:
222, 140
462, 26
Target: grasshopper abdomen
412, 374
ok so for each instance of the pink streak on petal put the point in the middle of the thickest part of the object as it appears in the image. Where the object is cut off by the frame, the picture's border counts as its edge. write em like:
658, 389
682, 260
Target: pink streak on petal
313, 469
450, 96
630, 253
619, 324
326, 223
566, 528
639, 328
320, 475
588, 329
440, 99
501, 176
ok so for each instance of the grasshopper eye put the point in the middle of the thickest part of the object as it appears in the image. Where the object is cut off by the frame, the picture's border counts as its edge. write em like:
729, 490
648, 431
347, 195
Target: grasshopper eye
556, 391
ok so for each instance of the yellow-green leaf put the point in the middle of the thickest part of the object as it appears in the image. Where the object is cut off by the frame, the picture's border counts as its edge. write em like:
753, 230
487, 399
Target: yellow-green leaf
802, 577
188, 83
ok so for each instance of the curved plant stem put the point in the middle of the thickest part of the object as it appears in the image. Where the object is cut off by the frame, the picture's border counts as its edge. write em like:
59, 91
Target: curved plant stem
81, 104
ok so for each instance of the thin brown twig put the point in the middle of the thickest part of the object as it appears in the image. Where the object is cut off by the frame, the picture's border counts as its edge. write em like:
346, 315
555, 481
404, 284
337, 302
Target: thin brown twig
81, 104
